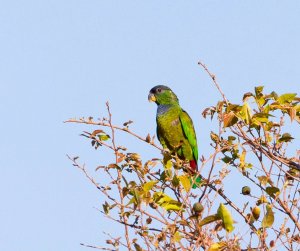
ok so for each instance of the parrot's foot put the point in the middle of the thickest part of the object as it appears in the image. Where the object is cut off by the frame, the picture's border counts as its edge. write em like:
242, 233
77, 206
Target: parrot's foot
166, 152
167, 155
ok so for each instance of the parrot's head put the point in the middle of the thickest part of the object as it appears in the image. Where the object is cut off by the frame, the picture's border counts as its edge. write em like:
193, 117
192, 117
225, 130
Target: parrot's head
162, 95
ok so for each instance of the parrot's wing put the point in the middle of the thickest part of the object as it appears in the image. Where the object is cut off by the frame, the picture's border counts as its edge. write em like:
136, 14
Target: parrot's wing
189, 132
160, 138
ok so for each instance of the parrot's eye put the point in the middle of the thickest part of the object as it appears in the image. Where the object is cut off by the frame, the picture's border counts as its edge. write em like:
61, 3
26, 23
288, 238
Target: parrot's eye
158, 90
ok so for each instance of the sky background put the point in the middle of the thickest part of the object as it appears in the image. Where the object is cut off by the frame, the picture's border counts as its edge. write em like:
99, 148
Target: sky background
62, 59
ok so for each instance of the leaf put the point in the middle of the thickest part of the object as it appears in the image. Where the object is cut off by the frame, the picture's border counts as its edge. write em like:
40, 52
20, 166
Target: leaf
229, 119
226, 159
113, 165
137, 247
268, 219
262, 117
135, 199
185, 182
175, 181
166, 201
125, 191
226, 217
256, 212
272, 191
231, 138
134, 156
267, 109
261, 100
292, 113
286, 98
274, 95
103, 137
94, 133
170, 206
127, 123
263, 180
106, 208
214, 137
148, 138
168, 164
258, 90
262, 200
233, 107
247, 95
149, 185
242, 159
176, 237
218, 246
286, 137
209, 219
120, 157
245, 113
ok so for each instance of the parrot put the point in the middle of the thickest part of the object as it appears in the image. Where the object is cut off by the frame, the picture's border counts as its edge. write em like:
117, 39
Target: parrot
175, 130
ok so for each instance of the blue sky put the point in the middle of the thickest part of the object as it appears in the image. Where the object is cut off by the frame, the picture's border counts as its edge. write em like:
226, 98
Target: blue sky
62, 59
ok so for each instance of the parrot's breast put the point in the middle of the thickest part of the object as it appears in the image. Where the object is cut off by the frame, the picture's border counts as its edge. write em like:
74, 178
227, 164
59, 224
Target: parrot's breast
169, 127
163, 109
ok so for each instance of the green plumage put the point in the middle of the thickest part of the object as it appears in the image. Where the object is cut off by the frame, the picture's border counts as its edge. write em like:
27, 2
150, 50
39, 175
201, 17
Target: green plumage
175, 128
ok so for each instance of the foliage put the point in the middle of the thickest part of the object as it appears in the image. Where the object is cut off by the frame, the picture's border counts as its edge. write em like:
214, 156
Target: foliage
159, 206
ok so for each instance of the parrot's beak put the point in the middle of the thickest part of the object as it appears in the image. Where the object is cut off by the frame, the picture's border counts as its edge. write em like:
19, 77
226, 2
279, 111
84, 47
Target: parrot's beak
151, 97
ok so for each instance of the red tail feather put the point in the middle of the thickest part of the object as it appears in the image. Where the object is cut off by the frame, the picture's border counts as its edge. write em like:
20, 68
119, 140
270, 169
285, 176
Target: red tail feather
193, 165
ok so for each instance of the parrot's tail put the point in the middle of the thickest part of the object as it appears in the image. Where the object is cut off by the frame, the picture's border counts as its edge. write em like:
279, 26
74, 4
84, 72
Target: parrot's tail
195, 180
194, 166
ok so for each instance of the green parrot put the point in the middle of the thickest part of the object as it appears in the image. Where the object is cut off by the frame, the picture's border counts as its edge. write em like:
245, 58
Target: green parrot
175, 129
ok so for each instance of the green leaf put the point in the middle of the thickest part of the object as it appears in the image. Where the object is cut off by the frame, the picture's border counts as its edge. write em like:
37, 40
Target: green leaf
261, 100
175, 181
262, 117
242, 159
135, 198
168, 164
176, 237
226, 217
262, 200
286, 98
106, 208
185, 182
149, 185
209, 219
137, 247
226, 159
272, 191
263, 180
229, 119
218, 246
214, 137
267, 109
268, 219
103, 137
166, 201
286, 137
160, 197
231, 138
274, 95
258, 90
170, 206
233, 107
245, 113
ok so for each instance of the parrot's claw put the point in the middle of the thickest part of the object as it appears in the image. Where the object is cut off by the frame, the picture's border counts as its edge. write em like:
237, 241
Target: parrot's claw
165, 152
